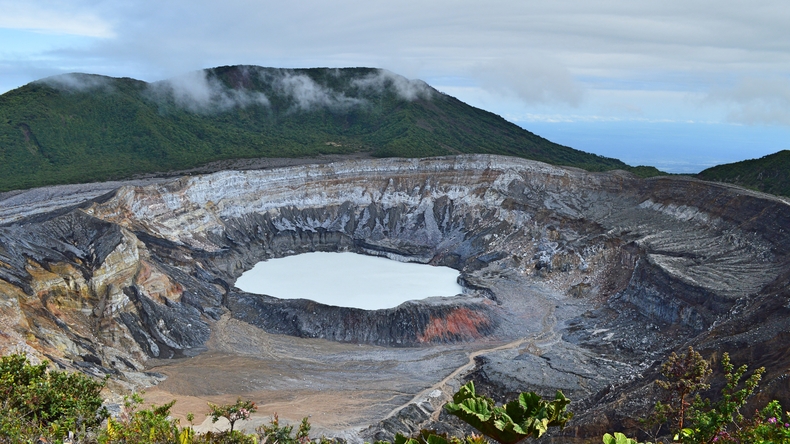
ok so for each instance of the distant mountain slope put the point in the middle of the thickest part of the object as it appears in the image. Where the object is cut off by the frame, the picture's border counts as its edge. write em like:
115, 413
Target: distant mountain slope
770, 173
80, 127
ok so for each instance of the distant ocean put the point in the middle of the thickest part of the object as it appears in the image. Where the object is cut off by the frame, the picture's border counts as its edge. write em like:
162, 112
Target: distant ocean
669, 146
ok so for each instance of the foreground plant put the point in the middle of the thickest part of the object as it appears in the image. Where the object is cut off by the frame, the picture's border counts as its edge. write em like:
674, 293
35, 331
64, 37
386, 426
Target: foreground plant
709, 419
432, 437
37, 403
769, 426
240, 411
154, 426
694, 420
619, 438
527, 416
274, 433
684, 376
151, 425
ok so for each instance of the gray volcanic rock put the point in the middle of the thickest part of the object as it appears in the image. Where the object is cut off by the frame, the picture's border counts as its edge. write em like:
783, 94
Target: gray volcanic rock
409, 324
588, 278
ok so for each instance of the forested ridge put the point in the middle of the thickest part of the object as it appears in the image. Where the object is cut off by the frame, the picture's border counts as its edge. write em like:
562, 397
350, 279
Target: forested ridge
770, 174
81, 128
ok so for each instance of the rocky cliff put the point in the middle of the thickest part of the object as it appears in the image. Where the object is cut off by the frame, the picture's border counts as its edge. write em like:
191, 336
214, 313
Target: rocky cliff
599, 274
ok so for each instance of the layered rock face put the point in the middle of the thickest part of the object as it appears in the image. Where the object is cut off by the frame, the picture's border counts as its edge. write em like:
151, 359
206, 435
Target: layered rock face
649, 265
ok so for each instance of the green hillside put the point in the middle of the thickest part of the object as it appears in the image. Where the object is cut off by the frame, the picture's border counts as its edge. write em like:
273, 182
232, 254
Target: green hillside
770, 173
81, 128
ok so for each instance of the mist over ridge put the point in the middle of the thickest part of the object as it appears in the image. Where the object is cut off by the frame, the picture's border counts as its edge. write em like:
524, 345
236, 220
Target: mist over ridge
219, 89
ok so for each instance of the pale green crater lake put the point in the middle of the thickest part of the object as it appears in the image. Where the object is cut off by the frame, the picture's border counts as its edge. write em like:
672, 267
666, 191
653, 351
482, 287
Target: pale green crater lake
349, 280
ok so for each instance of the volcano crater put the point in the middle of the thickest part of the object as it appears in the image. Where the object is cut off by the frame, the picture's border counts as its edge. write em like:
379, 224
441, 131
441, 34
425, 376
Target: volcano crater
573, 280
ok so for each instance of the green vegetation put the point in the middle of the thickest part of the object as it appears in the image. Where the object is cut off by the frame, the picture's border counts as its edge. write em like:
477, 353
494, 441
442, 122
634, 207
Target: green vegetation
431, 437
151, 425
527, 416
275, 433
241, 410
35, 402
61, 407
684, 375
618, 438
694, 420
82, 128
770, 174
154, 426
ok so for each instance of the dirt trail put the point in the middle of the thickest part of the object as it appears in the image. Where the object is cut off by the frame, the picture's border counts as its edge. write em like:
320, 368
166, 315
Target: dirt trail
545, 337
442, 385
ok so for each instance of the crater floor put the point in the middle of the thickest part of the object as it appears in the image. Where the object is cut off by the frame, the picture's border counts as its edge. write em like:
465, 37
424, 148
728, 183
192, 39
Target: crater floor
347, 387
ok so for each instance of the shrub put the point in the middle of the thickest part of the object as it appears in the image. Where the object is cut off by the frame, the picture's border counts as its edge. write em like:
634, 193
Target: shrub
526, 416
771, 425
275, 433
150, 426
432, 437
695, 420
49, 404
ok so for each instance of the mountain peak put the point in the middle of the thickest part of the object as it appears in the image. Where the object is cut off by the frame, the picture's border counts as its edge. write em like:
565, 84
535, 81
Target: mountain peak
83, 127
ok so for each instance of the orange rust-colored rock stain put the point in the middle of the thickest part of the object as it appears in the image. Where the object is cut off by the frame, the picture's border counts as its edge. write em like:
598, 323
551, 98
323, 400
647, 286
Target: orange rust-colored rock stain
461, 323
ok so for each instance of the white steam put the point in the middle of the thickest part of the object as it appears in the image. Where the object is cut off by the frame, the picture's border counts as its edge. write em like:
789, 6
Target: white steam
198, 93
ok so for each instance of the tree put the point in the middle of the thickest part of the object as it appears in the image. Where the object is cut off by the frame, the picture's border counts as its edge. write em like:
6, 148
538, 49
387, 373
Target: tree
241, 410
695, 420
684, 375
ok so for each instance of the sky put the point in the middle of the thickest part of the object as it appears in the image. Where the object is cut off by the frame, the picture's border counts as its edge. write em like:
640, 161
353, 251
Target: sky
680, 85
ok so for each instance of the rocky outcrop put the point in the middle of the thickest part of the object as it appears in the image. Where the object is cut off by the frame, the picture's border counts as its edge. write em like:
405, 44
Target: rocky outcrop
409, 324
636, 267
87, 293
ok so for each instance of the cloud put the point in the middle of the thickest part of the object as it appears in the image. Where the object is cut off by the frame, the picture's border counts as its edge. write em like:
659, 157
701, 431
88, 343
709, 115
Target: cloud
531, 79
197, 92
549, 55
755, 100
407, 89
202, 91
308, 94
78, 82
54, 18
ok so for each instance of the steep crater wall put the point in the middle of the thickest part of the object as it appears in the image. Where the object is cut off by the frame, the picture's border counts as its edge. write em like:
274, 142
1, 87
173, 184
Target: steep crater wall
145, 272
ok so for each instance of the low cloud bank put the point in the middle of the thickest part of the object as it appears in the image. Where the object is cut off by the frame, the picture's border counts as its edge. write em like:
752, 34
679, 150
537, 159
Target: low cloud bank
308, 94
406, 89
202, 91
756, 101
77, 82
199, 93
533, 80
